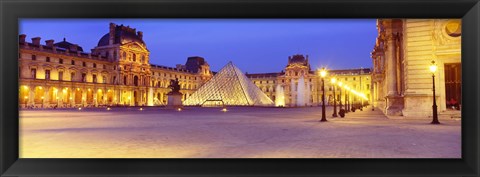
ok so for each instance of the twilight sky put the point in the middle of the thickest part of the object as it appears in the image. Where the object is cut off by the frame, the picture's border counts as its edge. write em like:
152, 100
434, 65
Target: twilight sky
254, 45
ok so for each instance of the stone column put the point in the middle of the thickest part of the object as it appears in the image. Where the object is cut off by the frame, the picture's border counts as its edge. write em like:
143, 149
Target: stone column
84, 98
95, 101
31, 95
394, 102
60, 98
392, 69
46, 100
72, 97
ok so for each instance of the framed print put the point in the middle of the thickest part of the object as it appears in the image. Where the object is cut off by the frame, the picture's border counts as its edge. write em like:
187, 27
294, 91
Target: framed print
245, 88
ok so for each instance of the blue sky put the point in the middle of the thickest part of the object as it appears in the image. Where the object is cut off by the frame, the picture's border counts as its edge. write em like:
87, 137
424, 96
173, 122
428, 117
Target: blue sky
254, 45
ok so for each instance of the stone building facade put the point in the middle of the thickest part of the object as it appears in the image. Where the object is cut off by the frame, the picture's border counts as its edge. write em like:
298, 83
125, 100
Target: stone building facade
116, 72
404, 49
298, 72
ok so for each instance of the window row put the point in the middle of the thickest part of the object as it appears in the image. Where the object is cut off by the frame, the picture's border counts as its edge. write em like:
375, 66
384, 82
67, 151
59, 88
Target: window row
72, 62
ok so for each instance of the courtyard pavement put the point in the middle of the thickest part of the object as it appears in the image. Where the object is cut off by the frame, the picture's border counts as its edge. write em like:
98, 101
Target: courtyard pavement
241, 132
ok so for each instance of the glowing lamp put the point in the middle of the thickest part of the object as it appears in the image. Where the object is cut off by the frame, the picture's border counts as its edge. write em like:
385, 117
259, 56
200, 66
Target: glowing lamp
323, 72
433, 67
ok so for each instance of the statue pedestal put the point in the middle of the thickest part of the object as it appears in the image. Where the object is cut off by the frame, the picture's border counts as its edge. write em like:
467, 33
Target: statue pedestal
174, 100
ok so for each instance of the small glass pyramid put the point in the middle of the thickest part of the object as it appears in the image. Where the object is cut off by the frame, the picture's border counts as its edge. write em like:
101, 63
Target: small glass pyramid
229, 87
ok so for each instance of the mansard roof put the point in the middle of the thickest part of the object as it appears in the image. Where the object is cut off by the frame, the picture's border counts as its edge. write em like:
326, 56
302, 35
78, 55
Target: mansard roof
66, 45
123, 34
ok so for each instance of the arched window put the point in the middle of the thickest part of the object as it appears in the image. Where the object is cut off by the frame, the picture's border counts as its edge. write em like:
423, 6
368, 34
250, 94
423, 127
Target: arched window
135, 80
124, 55
143, 58
134, 57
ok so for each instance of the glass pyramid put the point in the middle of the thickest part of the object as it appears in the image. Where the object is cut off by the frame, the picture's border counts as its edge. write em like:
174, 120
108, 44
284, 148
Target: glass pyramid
229, 87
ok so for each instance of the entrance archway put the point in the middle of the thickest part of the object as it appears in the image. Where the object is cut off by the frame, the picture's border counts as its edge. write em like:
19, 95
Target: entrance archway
135, 97
453, 85
39, 95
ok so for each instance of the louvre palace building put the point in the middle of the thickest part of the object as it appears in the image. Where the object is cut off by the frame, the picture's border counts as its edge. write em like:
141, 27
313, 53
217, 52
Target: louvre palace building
404, 50
117, 72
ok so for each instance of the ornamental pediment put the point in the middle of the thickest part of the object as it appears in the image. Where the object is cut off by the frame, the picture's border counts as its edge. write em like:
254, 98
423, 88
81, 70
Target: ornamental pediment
135, 46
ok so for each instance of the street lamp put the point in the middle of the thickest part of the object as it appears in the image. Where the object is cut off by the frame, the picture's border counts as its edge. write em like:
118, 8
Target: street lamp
346, 98
342, 111
323, 73
334, 80
433, 69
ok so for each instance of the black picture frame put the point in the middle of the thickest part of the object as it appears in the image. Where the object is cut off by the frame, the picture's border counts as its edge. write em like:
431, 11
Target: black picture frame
11, 11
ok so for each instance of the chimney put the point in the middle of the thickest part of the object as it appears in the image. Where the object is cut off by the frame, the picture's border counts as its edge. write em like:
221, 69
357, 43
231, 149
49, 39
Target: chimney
140, 35
112, 34
73, 47
36, 41
22, 38
49, 43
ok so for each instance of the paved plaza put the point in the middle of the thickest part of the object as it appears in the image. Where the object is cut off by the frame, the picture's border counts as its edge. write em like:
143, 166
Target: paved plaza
241, 132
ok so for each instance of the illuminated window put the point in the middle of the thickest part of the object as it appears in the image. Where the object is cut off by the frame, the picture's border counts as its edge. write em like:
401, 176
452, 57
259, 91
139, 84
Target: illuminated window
84, 77
34, 73
60, 75
47, 74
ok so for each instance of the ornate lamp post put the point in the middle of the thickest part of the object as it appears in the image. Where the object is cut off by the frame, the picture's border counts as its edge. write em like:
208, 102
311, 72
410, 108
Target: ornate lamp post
433, 69
347, 109
333, 80
342, 111
323, 73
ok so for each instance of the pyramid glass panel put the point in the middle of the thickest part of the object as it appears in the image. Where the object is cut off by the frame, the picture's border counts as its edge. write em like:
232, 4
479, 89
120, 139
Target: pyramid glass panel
229, 87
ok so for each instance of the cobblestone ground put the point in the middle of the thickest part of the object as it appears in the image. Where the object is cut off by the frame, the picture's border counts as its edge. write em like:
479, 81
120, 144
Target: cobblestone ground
237, 133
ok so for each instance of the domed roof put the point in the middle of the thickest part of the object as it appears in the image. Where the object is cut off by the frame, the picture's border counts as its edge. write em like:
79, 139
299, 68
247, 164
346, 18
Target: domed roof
123, 35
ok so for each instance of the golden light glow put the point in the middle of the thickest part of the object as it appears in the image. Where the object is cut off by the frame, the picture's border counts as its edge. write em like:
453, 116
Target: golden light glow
70, 98
141, 109
179, 109
224, 110
108, 109
40, 87
42, 97
334, 80
340, 84
25, 97
79, 109
25, 87
433, 67
323, 72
